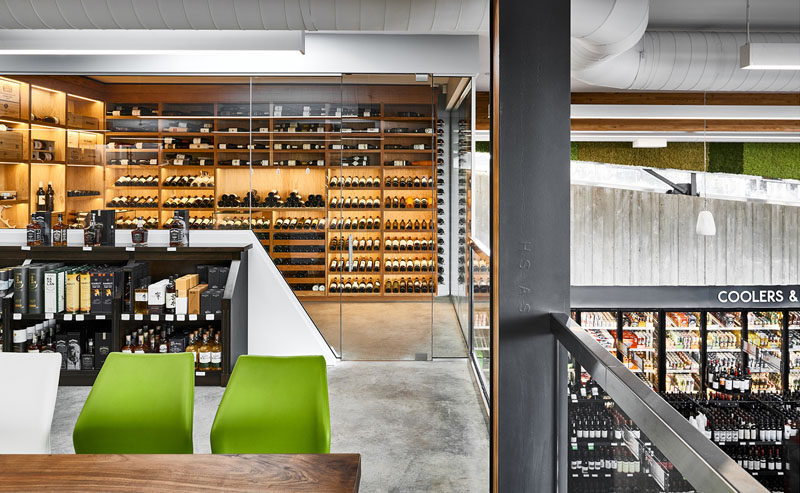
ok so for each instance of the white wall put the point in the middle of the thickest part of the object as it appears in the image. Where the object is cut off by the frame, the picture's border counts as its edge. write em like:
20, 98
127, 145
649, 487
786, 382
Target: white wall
627, 237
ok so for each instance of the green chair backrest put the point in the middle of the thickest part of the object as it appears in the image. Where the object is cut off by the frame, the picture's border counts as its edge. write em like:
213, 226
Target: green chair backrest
274, 405
139, 404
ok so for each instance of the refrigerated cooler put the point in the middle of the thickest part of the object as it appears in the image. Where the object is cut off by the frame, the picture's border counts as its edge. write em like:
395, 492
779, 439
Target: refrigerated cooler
763, 348
639, 336
682, 352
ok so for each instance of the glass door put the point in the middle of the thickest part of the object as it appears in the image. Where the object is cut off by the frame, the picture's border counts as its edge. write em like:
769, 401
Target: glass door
794, 352
724, 353
682, 347
388, 137
764, 350
293, 160
641, 329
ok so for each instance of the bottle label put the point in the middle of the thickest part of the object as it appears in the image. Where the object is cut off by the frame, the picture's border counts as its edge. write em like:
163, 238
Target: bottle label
176, 235
56, 236
162, 348
139, 351
20, 336
169, 301
216, 358
33, 235
204, 357
41, 199
140, 296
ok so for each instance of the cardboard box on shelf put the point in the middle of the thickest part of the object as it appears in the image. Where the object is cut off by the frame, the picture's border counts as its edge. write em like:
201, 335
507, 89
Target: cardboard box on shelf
187, 282
194, 298
9, 99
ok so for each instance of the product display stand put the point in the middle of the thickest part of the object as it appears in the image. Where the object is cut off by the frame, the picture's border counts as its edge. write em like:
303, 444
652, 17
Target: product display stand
232, 322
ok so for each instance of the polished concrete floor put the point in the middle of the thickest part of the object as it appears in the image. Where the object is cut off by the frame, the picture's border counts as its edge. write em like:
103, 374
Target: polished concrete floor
395, 330
418, 425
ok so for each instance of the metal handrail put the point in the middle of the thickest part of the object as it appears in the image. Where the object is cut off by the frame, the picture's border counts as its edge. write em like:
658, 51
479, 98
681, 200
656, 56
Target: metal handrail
701, 462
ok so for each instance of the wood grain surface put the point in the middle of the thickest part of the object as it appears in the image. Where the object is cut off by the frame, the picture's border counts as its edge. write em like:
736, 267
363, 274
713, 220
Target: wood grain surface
176, 473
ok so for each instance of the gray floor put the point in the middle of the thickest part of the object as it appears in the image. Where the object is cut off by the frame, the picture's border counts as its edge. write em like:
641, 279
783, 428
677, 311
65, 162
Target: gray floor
393, 330
419, 426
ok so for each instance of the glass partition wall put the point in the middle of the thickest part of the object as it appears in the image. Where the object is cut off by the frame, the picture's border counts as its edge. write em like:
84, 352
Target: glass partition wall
336, 177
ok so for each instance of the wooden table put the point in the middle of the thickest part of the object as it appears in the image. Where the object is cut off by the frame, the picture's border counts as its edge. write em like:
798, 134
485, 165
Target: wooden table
173, 473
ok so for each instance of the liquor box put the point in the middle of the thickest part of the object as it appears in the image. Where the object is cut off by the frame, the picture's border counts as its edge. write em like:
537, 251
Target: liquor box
187, 282
156, 296
202, 273
9, 99
108, 218
35, 288
62, 344
211, 301
194, 298
102, 346
72, 291
21, 289
177, 344
217, 276
87, 361
55, 278
85, 290
74, 155
11, 146
96, 278
182, 304
132, 277
82, 121
112, 288
73, 350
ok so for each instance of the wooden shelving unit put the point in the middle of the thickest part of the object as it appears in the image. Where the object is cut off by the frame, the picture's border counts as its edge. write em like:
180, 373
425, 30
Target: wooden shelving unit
207, 123
74, 124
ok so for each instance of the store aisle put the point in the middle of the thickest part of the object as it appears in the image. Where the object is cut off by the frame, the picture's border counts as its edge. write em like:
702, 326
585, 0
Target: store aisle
419, 426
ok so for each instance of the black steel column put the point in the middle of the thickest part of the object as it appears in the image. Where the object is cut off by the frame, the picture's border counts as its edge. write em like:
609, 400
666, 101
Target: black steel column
531, 221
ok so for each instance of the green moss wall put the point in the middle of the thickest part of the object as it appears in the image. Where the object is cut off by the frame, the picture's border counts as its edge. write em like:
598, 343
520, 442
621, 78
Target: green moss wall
677, 155
770, 160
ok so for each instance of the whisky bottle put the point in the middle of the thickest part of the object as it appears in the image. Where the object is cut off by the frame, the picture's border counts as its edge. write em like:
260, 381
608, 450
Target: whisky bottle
216, 354
141, 347
90, 233
127, 348
41, 199
140, 300
169, 297
50, 197
204, 355
192, 348
139, 235
34, 232
59, 232
33, 346
177, 233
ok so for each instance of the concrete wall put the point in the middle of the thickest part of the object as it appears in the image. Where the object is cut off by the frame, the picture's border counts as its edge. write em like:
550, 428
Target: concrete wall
626, 237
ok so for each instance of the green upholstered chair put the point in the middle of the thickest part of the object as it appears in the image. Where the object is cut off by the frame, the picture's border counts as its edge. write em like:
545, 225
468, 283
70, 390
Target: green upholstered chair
139, 404
274, 405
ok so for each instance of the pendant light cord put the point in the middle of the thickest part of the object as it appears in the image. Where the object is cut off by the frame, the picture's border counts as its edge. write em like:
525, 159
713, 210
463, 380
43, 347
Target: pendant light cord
747, 21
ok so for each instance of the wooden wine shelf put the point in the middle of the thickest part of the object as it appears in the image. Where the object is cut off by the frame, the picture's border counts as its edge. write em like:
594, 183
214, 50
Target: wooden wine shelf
97, 174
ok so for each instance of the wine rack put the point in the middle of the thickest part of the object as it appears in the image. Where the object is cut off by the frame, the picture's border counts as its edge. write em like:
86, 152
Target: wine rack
145, 154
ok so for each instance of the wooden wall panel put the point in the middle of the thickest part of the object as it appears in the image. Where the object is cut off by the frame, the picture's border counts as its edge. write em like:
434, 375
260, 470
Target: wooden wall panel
623, 237
482, 110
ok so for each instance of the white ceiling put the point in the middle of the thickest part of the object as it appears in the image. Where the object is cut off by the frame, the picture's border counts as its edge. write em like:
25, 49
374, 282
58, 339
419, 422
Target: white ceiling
725, 15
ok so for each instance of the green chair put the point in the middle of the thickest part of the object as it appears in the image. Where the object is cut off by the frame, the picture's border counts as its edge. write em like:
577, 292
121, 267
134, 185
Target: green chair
139, 404
274, 405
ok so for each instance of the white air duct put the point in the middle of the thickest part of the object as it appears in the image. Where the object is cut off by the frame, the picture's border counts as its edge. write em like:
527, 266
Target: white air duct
690, 61
602, 29
406, 16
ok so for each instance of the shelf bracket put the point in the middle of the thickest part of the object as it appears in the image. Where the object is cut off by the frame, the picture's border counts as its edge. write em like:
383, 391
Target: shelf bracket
689, 189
